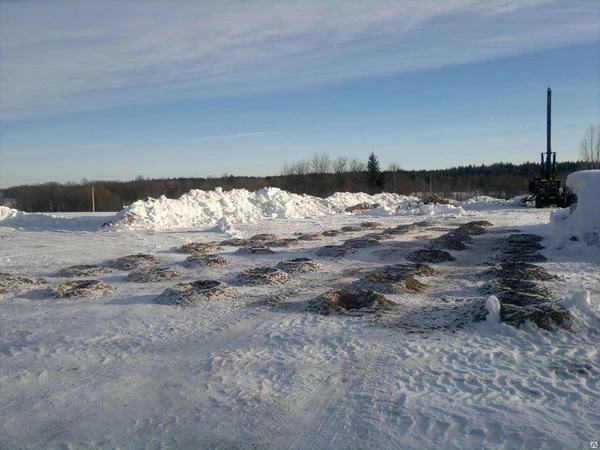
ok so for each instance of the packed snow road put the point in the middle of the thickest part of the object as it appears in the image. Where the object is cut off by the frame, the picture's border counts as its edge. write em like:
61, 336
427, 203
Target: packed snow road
253, 361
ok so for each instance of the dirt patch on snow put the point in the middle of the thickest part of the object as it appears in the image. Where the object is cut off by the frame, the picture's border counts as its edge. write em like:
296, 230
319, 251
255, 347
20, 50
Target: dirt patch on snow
194, 293
235, 242
196, 260
152, 274
396, 279
430, 256
502, 285
522, 248
300, 265
82, 288
332, 233
334, 251
310, 237
8, 282
361, 243
520, 271
283, 243
263, 275
263, 237
347, 300
545, 314
352, 228
82, 270
132, 261
256, 250
200, 248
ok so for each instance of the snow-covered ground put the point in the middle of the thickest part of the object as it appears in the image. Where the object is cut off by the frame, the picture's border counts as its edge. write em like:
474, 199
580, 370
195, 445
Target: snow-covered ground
256, 365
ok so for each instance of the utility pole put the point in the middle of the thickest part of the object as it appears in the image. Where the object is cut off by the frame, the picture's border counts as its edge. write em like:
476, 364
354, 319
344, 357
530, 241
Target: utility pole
93, 201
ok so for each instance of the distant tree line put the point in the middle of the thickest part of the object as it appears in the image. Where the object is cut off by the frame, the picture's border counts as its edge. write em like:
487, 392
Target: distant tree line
320, 176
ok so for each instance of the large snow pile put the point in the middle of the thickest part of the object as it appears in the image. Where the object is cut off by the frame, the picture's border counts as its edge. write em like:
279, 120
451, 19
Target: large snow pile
202, 208
581, 225
221, 209
208, 208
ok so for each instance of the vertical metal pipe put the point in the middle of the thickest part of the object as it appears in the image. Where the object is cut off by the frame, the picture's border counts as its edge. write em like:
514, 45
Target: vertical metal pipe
548, 126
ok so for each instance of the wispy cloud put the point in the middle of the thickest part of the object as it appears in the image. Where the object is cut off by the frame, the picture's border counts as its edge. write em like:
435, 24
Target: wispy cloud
65, 56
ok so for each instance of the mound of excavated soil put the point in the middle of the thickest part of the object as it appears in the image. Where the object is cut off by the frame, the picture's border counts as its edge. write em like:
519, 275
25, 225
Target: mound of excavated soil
263, 275
300, 265
347, 300
255, 250
310, 237
82, 270
545, 314
8, 281
361, 243
197, 247
522, 248
430, 256
520, 271
194, 293
451, 241
132, 261
437, 199
82, 288
235, 242
388, 286
283, 243
332, 233
352, 228
371, 225
334, 251
502, 285
263, 237
195, 260
395, 279
152, 274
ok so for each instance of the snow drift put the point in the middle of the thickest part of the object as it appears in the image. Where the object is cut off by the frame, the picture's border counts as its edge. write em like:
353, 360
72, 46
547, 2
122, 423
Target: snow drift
583, 223
222, 209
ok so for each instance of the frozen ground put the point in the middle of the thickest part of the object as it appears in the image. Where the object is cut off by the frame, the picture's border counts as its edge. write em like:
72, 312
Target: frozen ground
255, 366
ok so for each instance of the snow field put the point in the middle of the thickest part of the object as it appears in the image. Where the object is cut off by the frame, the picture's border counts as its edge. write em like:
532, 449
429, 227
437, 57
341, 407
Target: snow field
261, 370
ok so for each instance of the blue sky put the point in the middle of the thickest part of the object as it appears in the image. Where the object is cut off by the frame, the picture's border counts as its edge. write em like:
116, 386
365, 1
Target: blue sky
115, 89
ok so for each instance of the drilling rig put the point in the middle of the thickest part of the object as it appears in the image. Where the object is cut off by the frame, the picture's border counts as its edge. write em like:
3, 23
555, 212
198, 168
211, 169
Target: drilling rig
545, 189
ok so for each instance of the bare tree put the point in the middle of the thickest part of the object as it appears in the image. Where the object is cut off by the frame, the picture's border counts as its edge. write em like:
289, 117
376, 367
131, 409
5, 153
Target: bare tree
320, 163
589, 149
356, 165
394, 167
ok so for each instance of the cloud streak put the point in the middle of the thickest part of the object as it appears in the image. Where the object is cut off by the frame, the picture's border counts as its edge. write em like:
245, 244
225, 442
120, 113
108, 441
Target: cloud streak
66, 56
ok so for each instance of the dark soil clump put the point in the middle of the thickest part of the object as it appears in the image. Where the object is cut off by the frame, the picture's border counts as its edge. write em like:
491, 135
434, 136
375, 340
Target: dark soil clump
256, 250
152, 274
204, 260
262, 276
194, 293
82, 288
82, 270
521, 271
300, 265
132, 261
335, 251
197, 247
361, 243
8, 281
348, 300
430, 256
235, 242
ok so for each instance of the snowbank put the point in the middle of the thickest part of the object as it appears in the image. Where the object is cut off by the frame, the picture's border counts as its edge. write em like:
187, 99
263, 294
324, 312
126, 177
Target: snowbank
582, 225
42, 221
220, 209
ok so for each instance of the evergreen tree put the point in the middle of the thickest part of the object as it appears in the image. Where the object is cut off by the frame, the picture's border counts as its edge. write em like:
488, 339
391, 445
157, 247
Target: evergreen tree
374, 174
